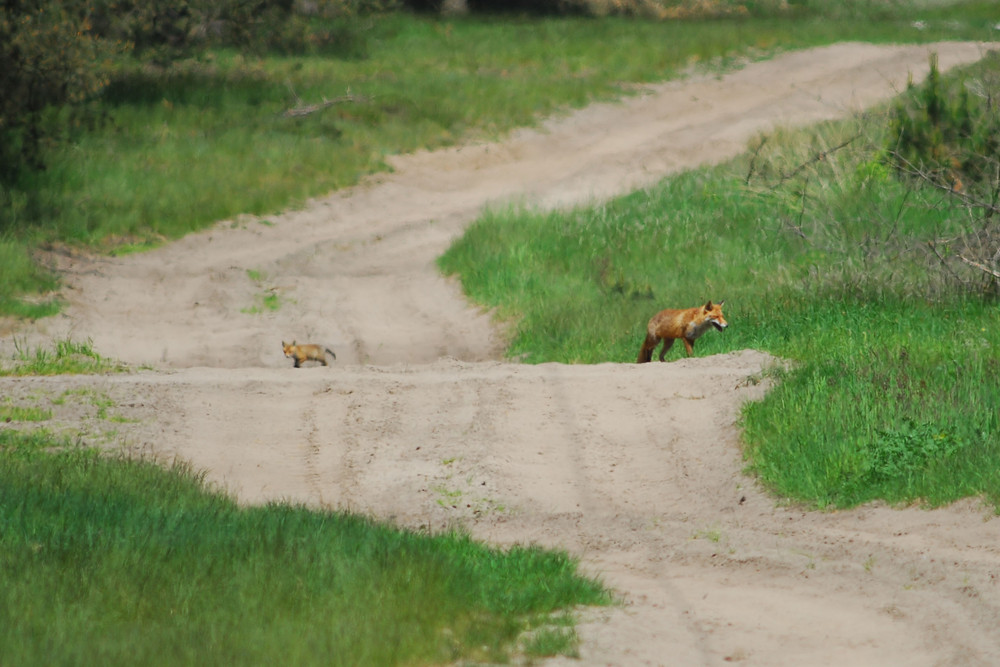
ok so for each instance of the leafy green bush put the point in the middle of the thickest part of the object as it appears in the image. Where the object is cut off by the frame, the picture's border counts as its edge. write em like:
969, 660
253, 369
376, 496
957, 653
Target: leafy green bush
948, 133
163, 31
908, 448
47, 57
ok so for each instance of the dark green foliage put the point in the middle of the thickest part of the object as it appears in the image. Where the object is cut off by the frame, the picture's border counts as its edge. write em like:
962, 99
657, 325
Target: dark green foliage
47, 57
907, 449
949, 132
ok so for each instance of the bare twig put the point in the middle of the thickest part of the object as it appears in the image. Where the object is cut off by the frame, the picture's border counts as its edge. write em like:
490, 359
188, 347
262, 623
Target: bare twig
961, 194
305, 110
753, 159
802, 212
944, 262
899, 215
818, 157
301, 109
981, 267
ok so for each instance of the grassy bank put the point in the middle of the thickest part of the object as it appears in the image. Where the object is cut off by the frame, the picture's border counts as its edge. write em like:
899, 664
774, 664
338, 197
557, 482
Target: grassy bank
894, 390
163, 152
115, 561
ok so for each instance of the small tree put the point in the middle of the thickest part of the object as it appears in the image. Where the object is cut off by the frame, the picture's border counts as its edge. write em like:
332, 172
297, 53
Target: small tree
950, 140
948, 137
47, 57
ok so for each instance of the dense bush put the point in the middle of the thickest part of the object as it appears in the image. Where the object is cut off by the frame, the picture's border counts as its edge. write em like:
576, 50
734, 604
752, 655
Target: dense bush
655, 9
48, 56
164, 30
948, 137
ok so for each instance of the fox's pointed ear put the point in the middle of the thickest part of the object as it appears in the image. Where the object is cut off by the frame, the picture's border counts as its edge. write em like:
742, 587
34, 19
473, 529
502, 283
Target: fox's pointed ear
708, 306
721, 302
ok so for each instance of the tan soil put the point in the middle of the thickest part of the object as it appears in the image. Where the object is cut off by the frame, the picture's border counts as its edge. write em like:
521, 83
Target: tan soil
635, 469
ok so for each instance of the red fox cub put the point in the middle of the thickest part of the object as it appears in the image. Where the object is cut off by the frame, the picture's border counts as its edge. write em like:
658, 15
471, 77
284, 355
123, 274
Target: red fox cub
306, 352
669, 325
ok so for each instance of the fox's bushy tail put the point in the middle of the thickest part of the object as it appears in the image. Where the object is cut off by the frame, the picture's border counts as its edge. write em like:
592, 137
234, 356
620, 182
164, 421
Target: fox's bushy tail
646, 351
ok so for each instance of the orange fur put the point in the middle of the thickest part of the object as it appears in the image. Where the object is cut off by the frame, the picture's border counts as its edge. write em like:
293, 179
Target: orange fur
688, 325
306, 352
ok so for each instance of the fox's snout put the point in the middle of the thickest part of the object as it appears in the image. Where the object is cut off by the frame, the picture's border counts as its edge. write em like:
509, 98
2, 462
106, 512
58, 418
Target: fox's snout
720, 324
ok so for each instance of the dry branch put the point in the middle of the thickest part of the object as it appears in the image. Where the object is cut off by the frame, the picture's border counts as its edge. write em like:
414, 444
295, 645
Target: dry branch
953, 188
820, 156
981, 267
305, 110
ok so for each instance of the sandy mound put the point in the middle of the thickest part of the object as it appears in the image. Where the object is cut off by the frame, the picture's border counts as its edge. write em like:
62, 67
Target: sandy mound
636, 469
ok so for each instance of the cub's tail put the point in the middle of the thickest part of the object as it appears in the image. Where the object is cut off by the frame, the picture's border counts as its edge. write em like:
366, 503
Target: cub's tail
646, 351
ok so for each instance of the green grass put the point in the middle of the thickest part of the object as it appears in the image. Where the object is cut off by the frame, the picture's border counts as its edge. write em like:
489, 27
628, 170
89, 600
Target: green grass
116, 561
18, 413
894, 389
163, 152
67, 357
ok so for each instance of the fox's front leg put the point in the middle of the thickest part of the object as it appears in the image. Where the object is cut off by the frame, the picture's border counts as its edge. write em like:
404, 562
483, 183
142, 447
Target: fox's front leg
667, 344
689, 346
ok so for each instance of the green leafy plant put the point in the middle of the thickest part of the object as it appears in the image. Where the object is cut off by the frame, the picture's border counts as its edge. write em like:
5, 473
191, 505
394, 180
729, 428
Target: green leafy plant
905, 450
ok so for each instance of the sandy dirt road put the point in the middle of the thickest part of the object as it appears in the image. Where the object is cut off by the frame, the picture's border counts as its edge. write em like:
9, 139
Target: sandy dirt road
635, 469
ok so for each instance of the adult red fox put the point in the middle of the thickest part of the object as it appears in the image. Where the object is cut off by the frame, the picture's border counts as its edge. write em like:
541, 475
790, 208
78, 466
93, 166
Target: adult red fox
669, 325
306, 352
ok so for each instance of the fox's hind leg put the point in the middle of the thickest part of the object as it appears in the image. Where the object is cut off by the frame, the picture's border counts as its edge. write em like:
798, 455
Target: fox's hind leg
667, 344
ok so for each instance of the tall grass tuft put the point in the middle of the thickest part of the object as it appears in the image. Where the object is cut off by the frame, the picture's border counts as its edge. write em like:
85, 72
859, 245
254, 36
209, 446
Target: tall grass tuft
66, 357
